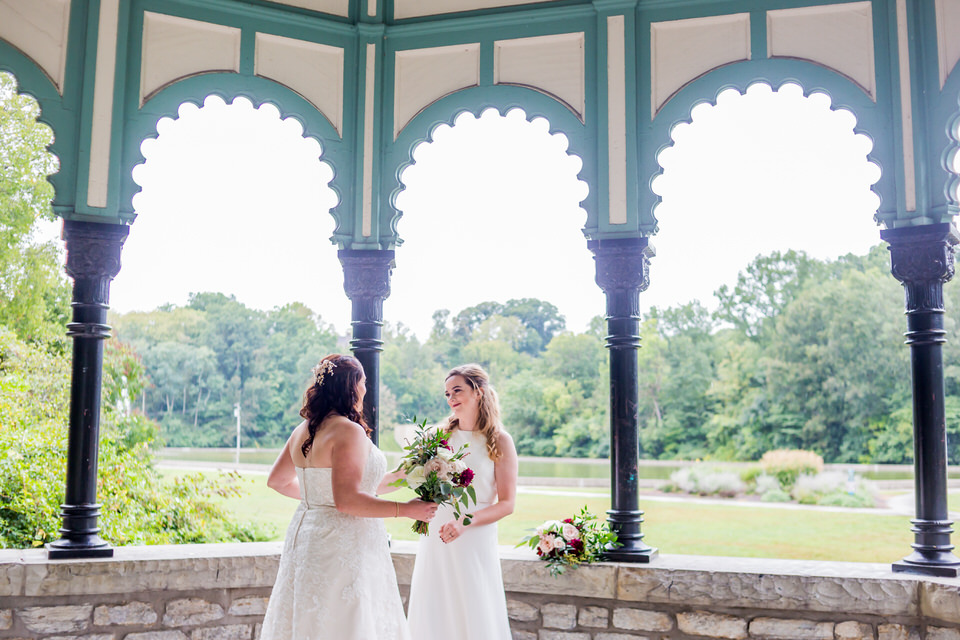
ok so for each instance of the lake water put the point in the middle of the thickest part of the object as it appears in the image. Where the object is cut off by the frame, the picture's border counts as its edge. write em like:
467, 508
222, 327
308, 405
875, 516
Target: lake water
547, 467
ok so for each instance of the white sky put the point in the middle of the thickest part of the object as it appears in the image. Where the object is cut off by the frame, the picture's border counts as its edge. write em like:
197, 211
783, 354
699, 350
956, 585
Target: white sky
235, 200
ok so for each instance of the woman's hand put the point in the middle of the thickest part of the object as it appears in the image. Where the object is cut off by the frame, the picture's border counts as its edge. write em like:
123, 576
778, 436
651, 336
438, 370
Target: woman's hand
451, 531
417, 509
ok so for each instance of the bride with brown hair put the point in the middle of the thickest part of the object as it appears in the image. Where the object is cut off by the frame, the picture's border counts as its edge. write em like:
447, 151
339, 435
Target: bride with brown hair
336, 579
457, 588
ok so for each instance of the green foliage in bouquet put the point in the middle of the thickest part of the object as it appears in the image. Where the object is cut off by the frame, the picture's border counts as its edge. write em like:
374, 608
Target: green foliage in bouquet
437, 473
571, 541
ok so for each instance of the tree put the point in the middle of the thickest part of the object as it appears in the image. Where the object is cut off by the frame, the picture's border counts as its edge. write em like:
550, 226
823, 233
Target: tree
769, 284
34, 292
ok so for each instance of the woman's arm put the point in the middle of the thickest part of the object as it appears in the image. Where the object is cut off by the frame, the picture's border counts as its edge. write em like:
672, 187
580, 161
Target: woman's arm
384, 486
349, 454
283, 475
506, 472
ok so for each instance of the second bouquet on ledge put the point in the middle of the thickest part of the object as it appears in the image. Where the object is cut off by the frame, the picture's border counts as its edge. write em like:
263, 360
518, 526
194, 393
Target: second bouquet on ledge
437, 473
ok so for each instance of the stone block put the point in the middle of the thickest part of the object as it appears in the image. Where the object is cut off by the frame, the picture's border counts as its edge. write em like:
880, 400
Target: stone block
11, 573
712, 625
559, 616
256, 631
157, 635
617, 636
940, 601
942, 633
6, 618
57, 619
248, 606
598, 580
247, 565
700, 587
852, 630
226, 632
547, 634
521, 611
187, 611
641, 620
596, 617
897, 632
790, 629
125, 614
523, 635
96, 636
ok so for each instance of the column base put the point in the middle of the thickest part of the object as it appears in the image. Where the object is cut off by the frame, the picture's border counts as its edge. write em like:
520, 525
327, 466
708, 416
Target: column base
67, 550
643, 555
945, 565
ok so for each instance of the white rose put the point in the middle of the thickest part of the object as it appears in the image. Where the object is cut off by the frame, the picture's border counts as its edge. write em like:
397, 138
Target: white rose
444, 453
559, 544
416, 477
569, 531
459, 466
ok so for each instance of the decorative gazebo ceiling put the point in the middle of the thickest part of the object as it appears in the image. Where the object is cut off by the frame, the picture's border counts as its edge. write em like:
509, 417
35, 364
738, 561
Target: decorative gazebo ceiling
370, 79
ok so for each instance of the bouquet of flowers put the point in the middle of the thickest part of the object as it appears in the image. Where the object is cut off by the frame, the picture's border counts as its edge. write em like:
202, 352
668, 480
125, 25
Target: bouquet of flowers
437, 473
569, 542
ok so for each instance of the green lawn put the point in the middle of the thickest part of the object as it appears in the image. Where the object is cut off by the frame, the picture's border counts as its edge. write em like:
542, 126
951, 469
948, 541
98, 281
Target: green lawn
673, 527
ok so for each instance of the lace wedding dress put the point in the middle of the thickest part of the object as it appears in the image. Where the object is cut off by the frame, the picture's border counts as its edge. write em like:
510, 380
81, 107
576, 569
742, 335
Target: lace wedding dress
456, 592
336, 579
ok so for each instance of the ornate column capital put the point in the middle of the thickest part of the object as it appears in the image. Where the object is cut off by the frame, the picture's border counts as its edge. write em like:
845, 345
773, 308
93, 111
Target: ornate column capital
922, 258
623, 271
93, 261
366, 281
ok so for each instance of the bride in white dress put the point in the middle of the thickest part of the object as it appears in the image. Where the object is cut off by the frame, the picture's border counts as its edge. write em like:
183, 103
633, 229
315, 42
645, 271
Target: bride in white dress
457, 589
336, 579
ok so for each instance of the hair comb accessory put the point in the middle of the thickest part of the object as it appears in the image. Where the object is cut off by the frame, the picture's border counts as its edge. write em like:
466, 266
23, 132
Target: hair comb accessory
322, 369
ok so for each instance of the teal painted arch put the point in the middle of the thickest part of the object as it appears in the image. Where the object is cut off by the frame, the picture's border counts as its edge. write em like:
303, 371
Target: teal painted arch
229, 86
476, 100
873, 119
56, 112
949, 153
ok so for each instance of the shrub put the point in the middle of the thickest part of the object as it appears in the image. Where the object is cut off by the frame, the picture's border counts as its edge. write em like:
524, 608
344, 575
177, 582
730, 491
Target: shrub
788, 464
765, 484
137, 508
775, 495
704, 481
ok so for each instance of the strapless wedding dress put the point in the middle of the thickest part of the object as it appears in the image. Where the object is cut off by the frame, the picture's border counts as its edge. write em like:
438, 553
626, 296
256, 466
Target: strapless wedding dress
336, 579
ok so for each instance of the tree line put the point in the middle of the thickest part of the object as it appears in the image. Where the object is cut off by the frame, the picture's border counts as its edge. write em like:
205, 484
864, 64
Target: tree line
798, 353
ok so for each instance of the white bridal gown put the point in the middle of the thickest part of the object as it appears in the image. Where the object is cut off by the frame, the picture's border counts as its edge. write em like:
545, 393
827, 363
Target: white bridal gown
336, 579
457, 590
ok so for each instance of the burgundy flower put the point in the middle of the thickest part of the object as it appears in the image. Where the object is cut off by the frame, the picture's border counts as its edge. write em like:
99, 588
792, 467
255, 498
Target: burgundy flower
465, 477
446, 445
568, 520
577, 545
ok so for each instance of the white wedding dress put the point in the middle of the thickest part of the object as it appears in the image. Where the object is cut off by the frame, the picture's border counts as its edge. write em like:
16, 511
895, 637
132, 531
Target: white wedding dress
336, 579
456, 592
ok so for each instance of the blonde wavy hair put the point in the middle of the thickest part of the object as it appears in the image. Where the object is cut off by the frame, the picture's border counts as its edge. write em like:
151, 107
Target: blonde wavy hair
488, 420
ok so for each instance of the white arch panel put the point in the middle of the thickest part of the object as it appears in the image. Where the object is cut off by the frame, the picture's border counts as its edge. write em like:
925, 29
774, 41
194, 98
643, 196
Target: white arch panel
39, 29
176, 48
313, 70
416, 8
948, 36
553, 64
423, 76
838, 36
674, 62
333, 7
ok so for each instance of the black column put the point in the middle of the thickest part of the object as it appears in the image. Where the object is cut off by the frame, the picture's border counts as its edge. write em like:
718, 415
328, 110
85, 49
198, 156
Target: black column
921, 258
622, 273
93, 260
366, 280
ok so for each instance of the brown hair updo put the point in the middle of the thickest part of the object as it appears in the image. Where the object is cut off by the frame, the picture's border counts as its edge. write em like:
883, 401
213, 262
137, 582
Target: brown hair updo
335, 388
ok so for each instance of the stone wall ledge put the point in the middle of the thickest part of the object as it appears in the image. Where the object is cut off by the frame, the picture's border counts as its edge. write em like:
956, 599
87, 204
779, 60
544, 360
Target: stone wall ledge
670, 581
